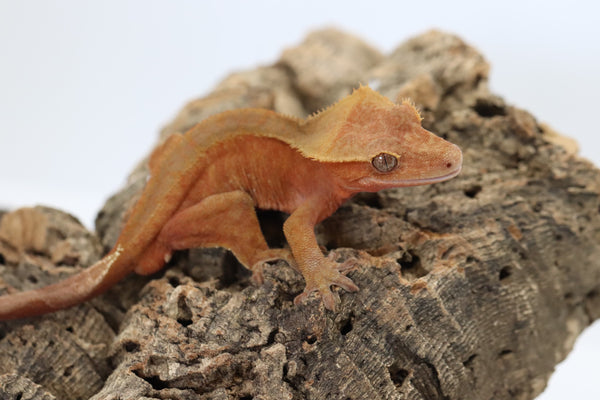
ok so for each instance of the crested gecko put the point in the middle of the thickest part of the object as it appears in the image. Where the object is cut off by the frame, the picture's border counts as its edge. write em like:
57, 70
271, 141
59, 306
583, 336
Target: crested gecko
204, 187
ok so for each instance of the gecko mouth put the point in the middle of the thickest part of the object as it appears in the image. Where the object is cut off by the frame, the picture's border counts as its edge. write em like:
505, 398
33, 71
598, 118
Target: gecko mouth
391, 183
427, 181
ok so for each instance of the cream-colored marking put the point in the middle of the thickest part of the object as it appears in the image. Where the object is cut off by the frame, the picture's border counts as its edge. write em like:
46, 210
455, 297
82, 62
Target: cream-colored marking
111, 258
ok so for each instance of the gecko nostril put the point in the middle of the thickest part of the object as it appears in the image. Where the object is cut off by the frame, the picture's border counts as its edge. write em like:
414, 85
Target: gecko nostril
448, 165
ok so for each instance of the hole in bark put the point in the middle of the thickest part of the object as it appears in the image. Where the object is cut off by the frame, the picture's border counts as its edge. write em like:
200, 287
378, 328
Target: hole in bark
2, 259
272, 335
68, 371
398, 375
156, 382
184, 314
174, 281
411, 265
69, 329
32, 279
505, 273
185, 322
504, 353
310, 339
468, 363
347, 325
487, 109
19, 396
472, 191
131, 347
471, 260
285, 370
246, 398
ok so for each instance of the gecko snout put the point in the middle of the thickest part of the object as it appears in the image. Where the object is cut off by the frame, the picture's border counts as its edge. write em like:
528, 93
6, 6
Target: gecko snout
453, 160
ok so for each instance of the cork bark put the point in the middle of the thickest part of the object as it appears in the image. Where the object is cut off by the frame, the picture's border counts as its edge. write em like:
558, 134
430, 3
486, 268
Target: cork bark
474, 288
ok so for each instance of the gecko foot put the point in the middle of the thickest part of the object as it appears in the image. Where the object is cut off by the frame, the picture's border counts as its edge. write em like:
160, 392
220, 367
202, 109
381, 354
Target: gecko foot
321, 280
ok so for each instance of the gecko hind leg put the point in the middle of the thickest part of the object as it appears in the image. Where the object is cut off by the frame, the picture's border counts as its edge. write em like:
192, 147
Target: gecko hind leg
222, 220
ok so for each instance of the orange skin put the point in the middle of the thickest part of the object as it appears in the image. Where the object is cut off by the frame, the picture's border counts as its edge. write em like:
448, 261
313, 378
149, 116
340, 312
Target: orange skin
204, 186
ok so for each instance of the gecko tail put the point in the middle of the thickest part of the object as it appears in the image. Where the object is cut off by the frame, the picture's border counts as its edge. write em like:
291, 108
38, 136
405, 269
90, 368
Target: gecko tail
64, 294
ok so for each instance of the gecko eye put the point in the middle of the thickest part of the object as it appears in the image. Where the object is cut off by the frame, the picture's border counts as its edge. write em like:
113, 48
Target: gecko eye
384, 162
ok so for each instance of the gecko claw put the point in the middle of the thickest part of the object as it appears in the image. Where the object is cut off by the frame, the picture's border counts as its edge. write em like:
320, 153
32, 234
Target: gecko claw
329, 299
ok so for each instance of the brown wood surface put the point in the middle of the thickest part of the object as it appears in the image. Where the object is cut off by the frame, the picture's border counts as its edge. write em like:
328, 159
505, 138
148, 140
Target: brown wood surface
470, 289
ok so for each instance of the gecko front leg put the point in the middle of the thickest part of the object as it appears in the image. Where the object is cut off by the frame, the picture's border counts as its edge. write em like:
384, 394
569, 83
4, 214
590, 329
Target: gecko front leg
318, 271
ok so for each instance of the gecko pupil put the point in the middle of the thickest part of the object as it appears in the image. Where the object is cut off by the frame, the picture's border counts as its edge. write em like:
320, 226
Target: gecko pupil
384, 162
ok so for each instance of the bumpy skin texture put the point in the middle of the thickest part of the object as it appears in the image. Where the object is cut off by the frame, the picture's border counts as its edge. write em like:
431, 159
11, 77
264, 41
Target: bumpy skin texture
204, 186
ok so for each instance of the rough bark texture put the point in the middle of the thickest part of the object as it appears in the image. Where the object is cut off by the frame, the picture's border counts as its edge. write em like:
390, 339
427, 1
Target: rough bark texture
470, 289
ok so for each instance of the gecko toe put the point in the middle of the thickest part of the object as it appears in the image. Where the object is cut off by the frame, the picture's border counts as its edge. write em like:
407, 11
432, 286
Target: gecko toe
301, 298
257, 275
348, 264
346, 283
329, 299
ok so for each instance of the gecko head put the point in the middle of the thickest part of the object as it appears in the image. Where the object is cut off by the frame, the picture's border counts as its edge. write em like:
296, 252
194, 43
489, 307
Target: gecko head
400, 169
381, 145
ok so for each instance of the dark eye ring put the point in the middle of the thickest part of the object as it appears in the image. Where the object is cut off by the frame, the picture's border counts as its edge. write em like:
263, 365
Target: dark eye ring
384, 162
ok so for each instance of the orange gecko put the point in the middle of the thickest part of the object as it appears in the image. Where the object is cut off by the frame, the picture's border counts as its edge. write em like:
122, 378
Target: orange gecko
204, 187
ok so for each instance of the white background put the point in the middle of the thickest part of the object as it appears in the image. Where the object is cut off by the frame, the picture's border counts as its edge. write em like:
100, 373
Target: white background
85, 87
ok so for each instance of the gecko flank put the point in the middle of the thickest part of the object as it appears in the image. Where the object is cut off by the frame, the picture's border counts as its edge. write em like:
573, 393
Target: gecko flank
205, 185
